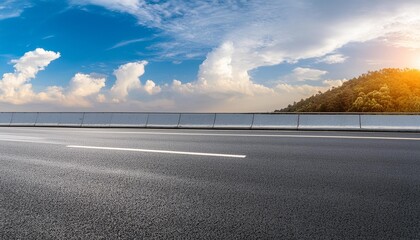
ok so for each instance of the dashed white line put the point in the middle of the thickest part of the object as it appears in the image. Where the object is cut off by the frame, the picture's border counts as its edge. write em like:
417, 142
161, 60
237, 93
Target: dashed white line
159, 151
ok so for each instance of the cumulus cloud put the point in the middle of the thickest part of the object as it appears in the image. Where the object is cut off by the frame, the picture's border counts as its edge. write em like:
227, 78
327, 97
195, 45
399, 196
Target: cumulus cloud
221, 76
128, 79
151, 88
83, 90
179, 87
221, 73
220, 89
16, 87
52, 94
83, 85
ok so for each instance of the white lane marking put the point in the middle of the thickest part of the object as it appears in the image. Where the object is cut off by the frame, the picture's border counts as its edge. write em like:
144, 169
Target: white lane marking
24, 139
159, 151
9, 136
29, 141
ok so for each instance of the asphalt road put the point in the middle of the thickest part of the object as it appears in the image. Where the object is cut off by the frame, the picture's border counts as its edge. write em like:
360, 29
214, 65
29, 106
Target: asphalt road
188, 184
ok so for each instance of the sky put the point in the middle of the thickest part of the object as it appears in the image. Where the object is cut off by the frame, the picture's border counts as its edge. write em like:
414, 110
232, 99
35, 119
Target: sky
197, 55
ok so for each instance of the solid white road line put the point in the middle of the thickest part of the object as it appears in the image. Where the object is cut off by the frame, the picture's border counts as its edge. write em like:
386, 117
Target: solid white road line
29, 141
159, 151
24, 139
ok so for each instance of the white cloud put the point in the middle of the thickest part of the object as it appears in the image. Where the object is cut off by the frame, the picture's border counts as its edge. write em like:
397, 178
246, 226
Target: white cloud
275, 30
219, 88
179, 87
33, 62
151, 88
306, 90
12, 8
53, 94
83, 91
83, 85
334, 83
147, 13
16, 87
129, 6
127, 79
48, 37
304, 74
128, 42
10, 14
221, 76
333, 59
222, 73
101, 98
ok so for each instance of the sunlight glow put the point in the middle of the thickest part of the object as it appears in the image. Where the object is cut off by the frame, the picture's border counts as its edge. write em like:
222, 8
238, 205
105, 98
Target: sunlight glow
416, 63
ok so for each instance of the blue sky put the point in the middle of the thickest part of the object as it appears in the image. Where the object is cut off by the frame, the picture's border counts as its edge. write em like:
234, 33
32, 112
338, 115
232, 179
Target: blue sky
198, 56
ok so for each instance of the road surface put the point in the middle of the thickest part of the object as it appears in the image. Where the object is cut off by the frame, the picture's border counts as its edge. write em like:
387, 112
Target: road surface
71, 183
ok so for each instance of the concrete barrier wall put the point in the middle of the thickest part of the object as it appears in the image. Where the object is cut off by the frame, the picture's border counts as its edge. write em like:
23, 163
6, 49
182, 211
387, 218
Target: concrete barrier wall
71, 119
163, 120
24, 119
275, 121
5, 118
97, 119
48, 119
329, 122
235, 121
390, 123
218, 121
129, 120
199, 120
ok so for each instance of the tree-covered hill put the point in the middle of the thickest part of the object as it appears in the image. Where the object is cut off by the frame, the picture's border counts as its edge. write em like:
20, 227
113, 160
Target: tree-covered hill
387, 90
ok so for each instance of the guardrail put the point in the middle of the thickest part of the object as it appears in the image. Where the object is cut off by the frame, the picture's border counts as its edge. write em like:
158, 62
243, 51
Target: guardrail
287, 121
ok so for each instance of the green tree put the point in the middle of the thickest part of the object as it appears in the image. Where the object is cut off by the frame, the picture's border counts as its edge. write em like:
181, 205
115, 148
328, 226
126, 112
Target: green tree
375, 101
386, 90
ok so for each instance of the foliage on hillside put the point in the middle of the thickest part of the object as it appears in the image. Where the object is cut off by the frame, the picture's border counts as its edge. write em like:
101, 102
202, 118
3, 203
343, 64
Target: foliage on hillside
387, 90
